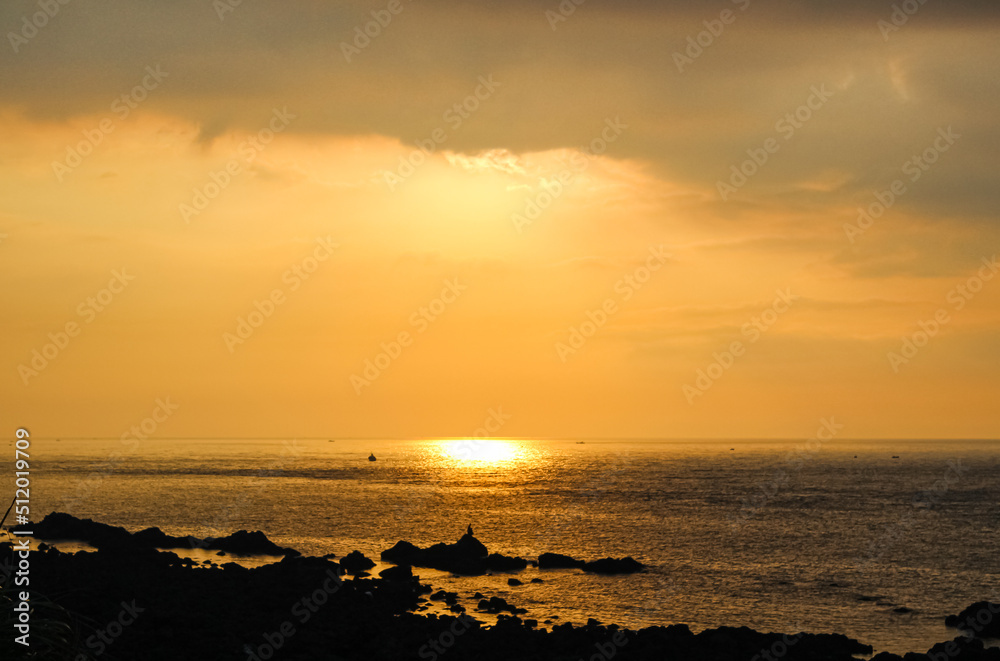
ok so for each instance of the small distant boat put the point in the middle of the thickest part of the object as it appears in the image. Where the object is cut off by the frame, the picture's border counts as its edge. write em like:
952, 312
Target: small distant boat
371, 457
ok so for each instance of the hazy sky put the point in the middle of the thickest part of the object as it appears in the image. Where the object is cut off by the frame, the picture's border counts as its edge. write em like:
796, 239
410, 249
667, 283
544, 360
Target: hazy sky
230, 208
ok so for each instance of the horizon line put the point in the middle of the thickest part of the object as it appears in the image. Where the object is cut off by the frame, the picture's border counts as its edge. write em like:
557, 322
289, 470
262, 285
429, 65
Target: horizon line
512, 438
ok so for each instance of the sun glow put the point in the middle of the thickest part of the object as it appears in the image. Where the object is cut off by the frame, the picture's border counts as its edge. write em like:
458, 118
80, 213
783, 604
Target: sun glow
480, 450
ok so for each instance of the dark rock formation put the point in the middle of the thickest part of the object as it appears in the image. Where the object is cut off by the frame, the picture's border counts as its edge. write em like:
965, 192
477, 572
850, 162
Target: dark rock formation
499, 562
397, 573
558, 561
355, 562
613, 566
468, 557
496, 605
242, 542
981, 620
231, 613
402, 553
156, 538
603, 566
59, 525
886, 656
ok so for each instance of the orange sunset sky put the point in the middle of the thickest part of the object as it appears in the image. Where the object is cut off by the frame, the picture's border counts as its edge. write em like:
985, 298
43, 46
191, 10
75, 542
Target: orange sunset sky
172, 172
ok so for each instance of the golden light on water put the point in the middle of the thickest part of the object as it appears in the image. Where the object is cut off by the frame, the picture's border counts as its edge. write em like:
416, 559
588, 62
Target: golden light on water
475, 450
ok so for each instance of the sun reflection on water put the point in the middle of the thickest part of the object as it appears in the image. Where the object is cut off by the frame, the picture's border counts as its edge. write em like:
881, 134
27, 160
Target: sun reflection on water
481, 451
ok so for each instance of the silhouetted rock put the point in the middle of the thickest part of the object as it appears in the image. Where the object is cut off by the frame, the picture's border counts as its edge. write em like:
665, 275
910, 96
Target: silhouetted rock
355, 562
397, 573
157, 538
402, 553
981, 619
59, 525
513, 582
613, 566
886, 656
468, 557
469, 545
190, 611
499, 562
558, 561
496, 605
243, 542
962, 648
62, 526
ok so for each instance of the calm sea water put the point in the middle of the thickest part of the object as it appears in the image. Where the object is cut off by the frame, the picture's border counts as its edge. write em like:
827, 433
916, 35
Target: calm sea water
784, 536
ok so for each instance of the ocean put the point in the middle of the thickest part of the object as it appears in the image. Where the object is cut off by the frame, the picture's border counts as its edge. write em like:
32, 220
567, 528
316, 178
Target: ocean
876, 540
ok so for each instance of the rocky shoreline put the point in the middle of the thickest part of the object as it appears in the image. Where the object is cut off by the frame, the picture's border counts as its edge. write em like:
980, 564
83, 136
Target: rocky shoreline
132, 599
